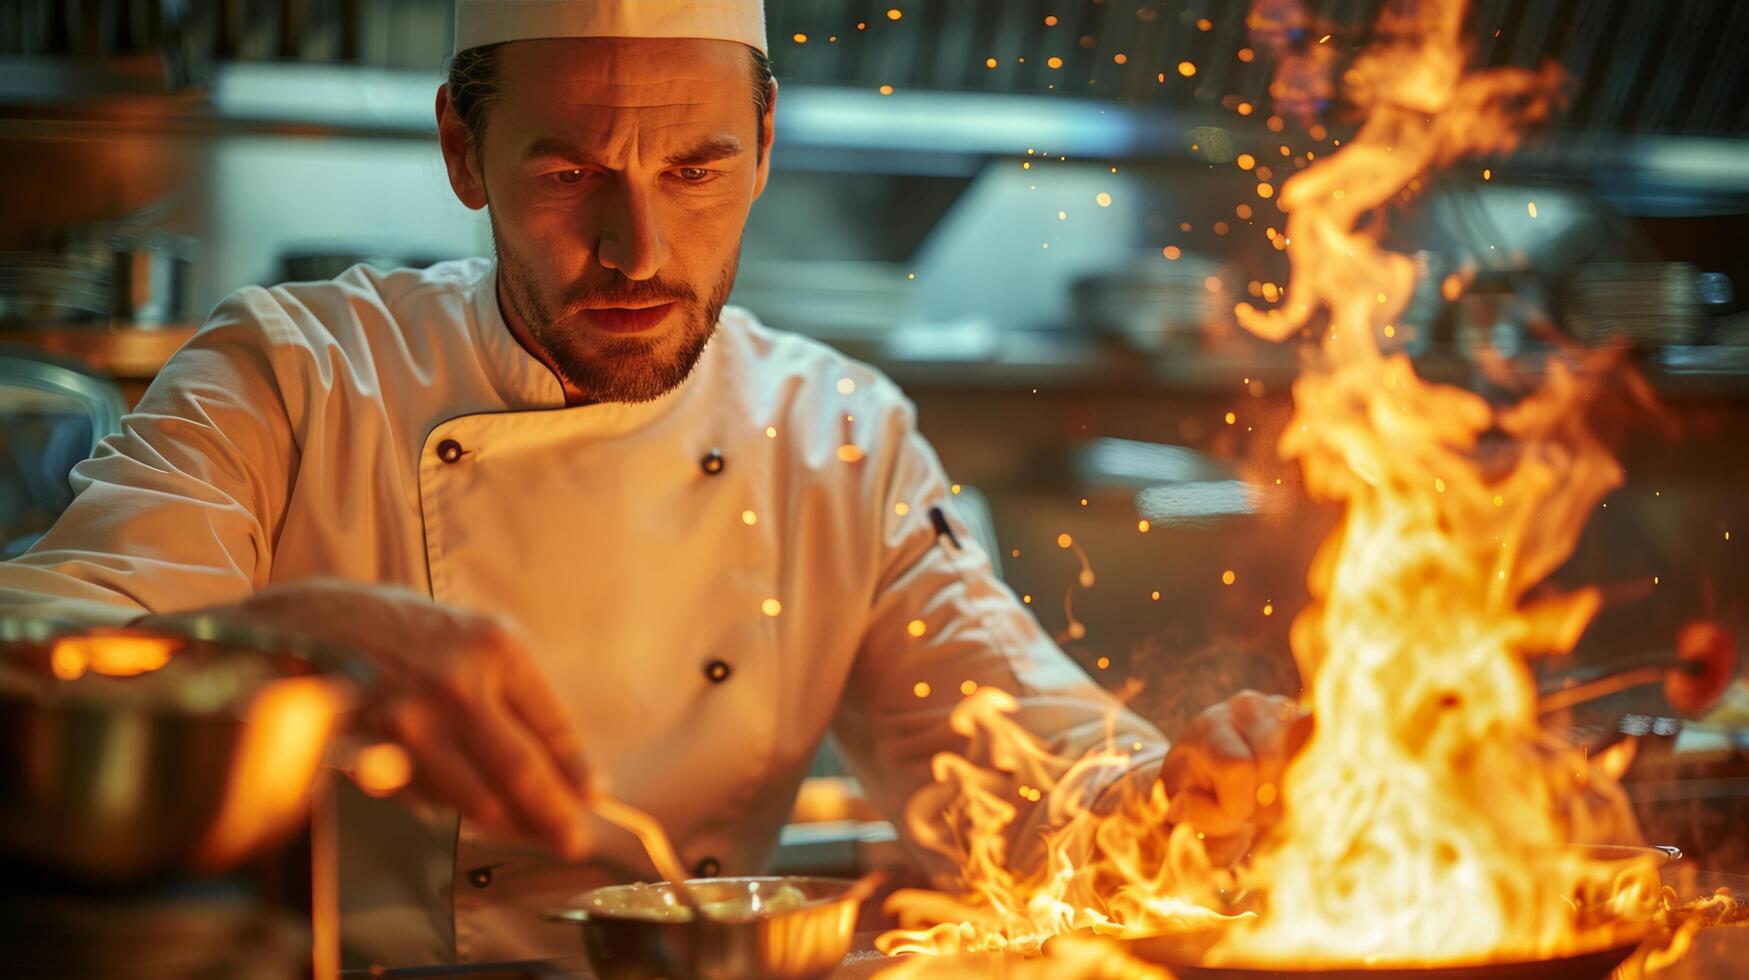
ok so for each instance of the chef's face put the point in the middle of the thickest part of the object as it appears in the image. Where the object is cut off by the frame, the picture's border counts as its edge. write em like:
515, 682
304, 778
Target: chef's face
619, 174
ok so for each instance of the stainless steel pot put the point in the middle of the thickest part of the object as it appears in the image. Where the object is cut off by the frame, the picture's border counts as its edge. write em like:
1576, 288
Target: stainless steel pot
129, 753
640, 932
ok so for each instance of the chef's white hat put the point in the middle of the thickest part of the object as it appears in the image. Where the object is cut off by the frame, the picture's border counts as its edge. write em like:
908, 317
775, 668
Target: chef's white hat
482, 22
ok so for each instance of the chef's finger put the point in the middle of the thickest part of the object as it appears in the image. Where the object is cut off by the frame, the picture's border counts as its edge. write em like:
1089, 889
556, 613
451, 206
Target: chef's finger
1187, 765
1232, 770
531, 698
1213, 756
443, 771
525, 777
1175, 773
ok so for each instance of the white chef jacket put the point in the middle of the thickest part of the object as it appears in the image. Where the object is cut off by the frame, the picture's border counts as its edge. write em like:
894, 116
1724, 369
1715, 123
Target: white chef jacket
388, 427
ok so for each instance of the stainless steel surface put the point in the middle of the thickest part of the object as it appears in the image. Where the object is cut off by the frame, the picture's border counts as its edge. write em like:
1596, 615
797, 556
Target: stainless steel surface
622, 944
190, 765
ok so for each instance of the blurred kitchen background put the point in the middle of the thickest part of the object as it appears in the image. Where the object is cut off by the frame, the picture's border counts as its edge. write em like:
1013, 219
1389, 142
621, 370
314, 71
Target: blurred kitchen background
1036, 216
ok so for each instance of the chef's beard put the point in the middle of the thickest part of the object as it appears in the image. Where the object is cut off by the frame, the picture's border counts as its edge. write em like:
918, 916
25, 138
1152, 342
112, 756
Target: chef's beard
606, 368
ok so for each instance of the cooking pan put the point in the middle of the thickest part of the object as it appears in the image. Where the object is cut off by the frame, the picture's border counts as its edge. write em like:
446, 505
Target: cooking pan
1584, 966
1184, 953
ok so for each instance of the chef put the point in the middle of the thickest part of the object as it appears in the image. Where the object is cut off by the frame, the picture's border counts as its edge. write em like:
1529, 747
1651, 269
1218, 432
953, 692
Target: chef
600, 532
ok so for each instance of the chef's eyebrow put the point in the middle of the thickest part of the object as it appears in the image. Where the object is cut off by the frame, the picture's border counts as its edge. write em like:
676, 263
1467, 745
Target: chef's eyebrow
708, 150
549, 148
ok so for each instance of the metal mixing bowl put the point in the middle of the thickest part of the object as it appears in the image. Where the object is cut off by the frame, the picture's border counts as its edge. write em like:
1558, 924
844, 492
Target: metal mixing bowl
636, 932
190, 764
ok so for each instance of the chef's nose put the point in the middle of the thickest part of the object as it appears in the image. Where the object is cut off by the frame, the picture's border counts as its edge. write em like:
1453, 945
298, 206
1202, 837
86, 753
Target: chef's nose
631, 239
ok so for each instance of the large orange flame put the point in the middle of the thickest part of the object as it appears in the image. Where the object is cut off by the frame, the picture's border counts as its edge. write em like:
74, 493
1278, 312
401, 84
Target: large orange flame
1428, 820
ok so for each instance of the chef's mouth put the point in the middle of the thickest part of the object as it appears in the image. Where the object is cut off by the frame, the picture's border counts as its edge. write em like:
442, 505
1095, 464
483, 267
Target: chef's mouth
628, 319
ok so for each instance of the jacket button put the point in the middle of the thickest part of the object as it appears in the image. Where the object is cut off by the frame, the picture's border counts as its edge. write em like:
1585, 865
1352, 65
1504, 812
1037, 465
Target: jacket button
480, 877
712, 463
708, 868
449, 450
718, 671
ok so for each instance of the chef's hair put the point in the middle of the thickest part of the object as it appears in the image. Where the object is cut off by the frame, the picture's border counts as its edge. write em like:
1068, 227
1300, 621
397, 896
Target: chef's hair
473, 87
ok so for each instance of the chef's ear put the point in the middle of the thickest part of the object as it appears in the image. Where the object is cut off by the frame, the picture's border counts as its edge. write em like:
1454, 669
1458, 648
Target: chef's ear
459, 155
768, 135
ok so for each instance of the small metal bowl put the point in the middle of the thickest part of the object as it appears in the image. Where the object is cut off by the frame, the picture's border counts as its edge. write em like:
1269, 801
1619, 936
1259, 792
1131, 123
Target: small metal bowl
642, 932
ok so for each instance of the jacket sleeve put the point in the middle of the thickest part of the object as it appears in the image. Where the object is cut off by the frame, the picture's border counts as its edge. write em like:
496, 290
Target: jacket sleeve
941, 625
178, 509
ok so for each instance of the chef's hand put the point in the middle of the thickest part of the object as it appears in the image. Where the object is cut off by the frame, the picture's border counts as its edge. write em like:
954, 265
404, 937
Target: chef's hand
1217, 771
460, 692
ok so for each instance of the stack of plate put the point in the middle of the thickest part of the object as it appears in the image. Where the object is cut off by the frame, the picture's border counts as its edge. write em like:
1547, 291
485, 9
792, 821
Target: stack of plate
52, 287
1646, 304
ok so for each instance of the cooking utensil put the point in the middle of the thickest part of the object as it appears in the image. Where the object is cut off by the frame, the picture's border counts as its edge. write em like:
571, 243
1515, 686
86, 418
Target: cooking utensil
648, 830
1694, 676
1645, 675
626, 936
129, 753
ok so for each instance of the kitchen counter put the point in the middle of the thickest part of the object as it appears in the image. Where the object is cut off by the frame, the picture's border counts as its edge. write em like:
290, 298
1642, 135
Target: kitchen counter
1719, 952
863, 962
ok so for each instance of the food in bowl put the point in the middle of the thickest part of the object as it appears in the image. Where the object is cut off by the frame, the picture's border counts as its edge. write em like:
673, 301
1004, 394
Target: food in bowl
657, 903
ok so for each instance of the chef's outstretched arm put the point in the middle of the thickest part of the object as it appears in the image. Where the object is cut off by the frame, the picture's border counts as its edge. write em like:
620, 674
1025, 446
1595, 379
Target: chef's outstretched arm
180, 511
180, 508
974, 633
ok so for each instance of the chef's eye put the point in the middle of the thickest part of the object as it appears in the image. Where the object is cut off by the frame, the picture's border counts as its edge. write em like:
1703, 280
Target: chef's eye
569, 177
694, 175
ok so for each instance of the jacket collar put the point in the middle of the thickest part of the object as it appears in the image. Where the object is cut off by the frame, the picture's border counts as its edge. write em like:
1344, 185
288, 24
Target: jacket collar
527, 385
520, 378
